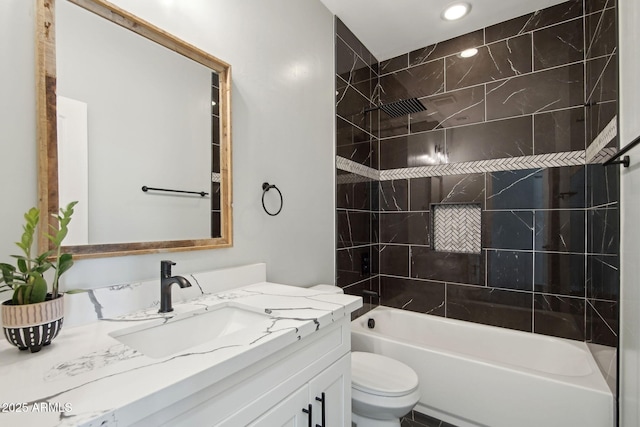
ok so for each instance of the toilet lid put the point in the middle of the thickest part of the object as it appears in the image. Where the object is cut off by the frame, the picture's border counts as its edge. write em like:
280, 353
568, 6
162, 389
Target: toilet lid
380, 375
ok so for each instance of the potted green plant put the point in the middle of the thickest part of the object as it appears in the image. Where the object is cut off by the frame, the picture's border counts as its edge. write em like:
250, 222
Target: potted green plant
32, 318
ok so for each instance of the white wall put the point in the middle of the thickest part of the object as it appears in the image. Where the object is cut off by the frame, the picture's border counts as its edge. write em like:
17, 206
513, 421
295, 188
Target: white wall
629, 34
281, 54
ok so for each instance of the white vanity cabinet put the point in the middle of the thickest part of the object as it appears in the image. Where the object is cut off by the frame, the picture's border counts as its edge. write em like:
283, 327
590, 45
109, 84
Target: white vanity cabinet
287, 413
330, 393
323, 402
275, 390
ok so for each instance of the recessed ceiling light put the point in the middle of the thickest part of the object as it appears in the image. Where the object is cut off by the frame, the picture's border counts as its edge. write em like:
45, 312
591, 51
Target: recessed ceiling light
468, 53
456, 11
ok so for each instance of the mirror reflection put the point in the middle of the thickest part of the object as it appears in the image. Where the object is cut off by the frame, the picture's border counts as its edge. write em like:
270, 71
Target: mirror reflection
137, 131
132, 113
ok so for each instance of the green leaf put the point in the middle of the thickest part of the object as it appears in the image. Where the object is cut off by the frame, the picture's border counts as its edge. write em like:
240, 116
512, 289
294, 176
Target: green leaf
18, 295
38, 289
43, 257
64, 263
7, 272
76, 291
27, 239
22, 265
26, 278
63, 218
42, 267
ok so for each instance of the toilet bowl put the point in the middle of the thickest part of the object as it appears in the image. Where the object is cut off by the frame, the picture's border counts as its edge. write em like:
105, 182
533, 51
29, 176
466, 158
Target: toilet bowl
382, 390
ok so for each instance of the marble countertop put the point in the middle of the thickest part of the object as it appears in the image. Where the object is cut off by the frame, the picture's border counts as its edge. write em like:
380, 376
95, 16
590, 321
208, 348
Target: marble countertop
86, 377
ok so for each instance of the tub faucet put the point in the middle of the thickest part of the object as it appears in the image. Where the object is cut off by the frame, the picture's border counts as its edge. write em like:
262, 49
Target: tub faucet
166, 280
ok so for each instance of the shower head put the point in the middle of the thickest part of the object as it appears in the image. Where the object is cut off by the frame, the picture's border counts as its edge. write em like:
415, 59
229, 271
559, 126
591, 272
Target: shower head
400, 108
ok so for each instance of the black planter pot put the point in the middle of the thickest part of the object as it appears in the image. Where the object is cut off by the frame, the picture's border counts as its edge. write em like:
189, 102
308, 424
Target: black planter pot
32, 326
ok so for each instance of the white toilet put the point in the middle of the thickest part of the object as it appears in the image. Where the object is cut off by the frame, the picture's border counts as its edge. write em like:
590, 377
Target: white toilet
382, 390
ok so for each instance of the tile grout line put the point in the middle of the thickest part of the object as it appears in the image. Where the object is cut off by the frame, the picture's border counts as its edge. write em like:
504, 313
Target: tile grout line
354, 51
584, 56
601, 318
595, 31
348, 248
586, 145
533, 276
533, 60
354, 125
486, 117
492, 81
599, 79
441, 128
498, 288
444, 75
583, 15
355, 283
533, 133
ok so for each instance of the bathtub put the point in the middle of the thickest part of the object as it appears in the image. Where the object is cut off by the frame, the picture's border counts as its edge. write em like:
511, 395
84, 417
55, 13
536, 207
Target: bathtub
478, 375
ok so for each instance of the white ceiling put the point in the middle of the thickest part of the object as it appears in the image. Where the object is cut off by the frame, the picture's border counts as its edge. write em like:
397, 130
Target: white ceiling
389, 28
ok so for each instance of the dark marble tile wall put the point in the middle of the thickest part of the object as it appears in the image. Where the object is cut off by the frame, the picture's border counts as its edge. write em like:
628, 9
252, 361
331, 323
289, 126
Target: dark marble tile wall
357, 198
542, 83
530, 70
531, 273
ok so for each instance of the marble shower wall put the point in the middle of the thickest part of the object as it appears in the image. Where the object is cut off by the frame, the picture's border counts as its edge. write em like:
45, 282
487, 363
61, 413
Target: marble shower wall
541, 84
357, 143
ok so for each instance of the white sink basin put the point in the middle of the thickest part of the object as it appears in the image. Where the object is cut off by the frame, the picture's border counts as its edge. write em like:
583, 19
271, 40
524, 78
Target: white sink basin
164, 337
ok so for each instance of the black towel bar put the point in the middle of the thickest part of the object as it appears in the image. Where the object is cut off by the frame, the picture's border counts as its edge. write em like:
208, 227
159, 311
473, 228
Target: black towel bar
626, 160
201, 193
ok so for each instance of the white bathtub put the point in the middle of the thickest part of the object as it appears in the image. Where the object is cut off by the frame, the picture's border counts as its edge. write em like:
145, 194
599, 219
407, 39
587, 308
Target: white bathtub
478, 375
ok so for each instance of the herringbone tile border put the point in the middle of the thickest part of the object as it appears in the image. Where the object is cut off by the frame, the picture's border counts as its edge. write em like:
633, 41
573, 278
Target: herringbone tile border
551, 160
569, 158
357, 168
604, 155
608, 133
352, 178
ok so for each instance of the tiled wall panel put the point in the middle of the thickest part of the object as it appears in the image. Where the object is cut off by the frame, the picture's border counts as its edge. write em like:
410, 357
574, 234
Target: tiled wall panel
507, 129
357, 193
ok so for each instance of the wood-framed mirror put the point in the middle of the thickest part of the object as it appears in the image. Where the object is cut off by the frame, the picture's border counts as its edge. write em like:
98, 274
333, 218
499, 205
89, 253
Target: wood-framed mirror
123, 171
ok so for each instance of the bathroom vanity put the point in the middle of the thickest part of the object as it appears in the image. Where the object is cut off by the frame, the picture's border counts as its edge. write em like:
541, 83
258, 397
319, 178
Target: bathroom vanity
262, 354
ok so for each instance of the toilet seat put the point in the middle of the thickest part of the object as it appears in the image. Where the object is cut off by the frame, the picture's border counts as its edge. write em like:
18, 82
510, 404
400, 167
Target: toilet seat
381, 376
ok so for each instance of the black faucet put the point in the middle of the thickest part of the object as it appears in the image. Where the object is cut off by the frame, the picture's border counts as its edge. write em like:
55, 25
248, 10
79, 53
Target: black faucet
166, 280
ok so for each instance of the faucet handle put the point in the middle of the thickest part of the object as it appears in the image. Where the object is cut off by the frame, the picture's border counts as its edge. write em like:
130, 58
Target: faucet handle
165, 267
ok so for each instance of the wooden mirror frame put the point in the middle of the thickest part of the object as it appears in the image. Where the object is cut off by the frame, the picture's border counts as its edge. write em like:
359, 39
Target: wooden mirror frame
47, 129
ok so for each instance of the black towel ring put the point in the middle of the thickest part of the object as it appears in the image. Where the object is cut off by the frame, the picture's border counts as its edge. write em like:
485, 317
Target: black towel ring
266, 187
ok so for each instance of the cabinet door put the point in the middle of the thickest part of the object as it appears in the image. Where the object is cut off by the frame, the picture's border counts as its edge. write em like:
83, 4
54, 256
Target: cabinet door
287, 413
335, 383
